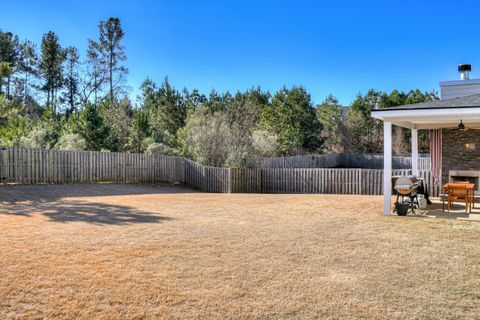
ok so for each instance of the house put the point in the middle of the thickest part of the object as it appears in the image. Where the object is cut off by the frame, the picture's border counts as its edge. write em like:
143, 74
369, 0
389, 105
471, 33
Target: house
454, 125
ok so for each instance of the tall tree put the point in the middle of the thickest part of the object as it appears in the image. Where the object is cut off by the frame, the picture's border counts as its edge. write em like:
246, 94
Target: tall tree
111, 35
71, 79
329, 114
243, 115
366, 133
52, 57
291, 116
27, 64
167, 107
96, 73
9, 53
218, 102
194, 99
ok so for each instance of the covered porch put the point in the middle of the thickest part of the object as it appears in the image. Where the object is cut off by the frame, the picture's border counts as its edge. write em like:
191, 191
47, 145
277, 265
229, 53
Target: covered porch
454, 125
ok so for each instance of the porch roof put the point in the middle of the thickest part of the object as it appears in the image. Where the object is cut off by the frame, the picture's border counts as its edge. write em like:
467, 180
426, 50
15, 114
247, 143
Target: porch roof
434, 114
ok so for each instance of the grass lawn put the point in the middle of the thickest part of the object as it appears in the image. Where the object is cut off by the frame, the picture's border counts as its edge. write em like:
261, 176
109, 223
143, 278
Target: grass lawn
130, 251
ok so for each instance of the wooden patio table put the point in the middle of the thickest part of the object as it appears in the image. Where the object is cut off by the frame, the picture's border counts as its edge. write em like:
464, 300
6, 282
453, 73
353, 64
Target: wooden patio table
460, 188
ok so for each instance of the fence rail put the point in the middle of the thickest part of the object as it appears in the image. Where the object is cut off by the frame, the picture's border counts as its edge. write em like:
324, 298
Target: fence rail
30, 166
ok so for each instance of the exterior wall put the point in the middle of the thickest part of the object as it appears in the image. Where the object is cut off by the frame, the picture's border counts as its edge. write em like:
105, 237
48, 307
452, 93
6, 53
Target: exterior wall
459, 88
454, 154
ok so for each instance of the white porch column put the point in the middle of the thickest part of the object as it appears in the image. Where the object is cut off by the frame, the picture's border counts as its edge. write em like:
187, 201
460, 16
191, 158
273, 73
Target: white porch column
415, 152
387, 168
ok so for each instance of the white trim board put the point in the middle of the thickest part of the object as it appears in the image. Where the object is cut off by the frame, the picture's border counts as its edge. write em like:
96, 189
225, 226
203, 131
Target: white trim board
430, 118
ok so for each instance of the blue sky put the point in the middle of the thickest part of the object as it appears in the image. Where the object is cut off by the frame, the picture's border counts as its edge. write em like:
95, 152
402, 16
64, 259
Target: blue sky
330, 47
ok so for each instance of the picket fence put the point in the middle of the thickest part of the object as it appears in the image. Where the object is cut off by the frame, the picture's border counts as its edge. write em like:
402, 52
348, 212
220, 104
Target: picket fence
32, 166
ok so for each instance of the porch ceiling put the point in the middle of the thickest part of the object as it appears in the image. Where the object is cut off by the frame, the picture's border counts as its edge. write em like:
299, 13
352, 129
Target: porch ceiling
430, 118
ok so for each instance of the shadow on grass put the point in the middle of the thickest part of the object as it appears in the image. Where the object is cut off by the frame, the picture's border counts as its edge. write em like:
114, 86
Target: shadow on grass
79, 211
52, 192
27, 200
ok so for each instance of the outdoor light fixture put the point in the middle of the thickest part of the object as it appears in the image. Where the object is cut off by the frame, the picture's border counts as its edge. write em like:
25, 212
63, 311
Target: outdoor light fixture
461, 126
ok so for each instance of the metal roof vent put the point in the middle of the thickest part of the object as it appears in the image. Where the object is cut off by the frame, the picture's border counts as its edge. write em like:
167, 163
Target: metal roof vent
464, 70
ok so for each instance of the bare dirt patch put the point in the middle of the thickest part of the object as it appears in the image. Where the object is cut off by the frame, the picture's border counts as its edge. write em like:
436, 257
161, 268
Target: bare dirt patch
136, 251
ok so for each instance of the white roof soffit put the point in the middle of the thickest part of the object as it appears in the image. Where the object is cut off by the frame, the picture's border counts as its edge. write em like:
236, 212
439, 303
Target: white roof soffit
430, 118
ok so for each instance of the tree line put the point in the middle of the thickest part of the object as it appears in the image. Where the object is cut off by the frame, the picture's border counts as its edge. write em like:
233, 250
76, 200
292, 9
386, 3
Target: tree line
52, 98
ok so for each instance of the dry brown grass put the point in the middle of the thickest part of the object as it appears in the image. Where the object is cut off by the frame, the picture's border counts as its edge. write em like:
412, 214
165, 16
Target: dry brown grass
159, 252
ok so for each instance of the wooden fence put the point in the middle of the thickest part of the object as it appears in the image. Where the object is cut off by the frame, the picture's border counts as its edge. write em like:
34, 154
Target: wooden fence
337, 160
315, 180
29, 166
204, 178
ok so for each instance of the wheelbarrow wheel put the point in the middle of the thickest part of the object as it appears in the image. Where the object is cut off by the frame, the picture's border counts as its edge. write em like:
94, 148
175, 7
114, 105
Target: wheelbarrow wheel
402, 208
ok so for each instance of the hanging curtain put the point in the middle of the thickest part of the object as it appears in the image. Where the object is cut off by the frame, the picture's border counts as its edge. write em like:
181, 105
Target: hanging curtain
436, 154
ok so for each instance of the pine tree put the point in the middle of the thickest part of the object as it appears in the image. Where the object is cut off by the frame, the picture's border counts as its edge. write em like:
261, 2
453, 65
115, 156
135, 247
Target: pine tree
71, 79
51, 66
166, 106
27, 64
141, 131
329, 114
9, 53
92, 127
96, 73
111, 35
291, 117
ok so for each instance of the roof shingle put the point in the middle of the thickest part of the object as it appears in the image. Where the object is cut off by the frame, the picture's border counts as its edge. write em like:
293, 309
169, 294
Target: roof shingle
470, 101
